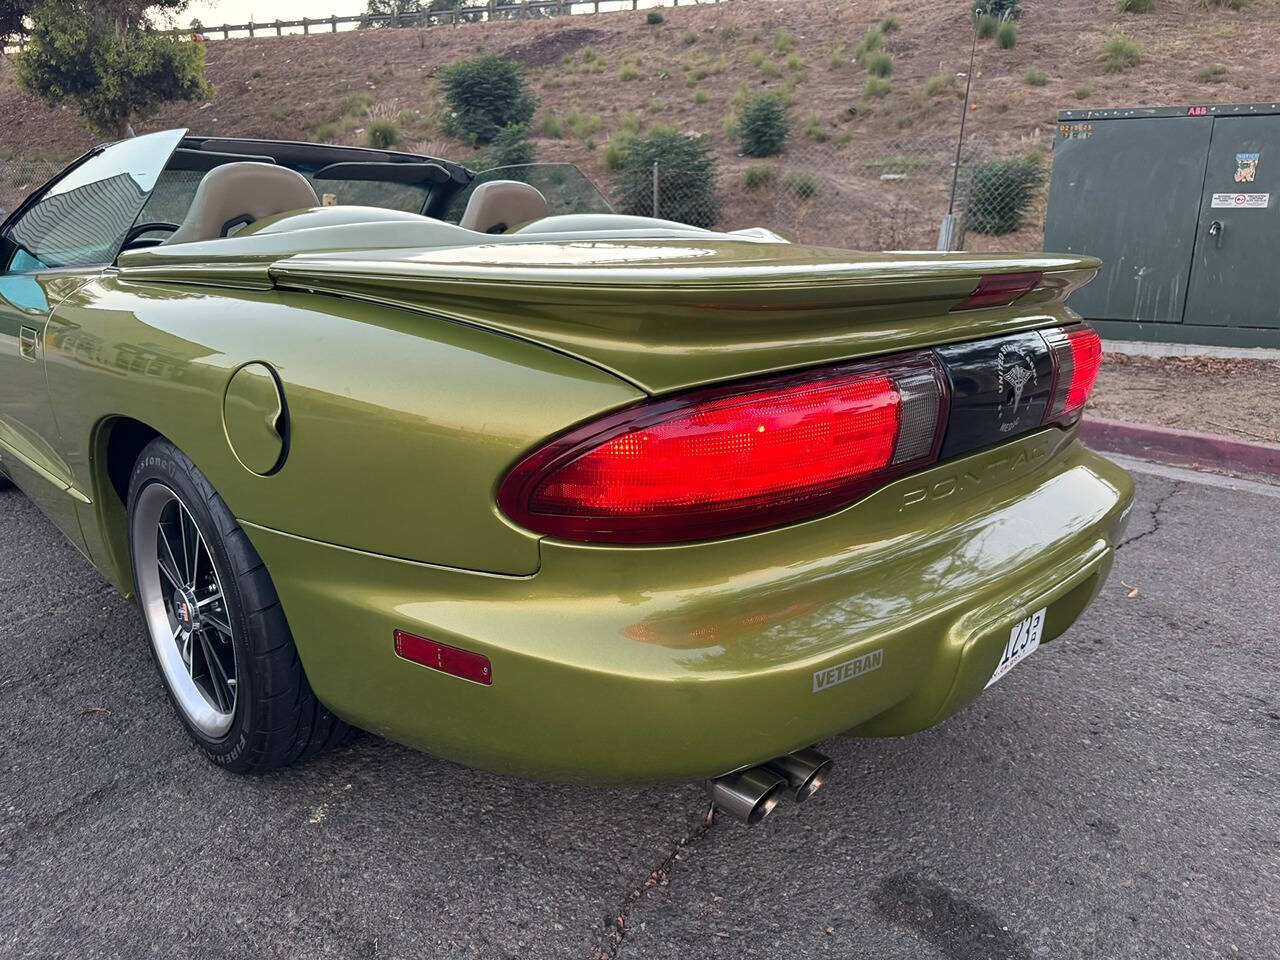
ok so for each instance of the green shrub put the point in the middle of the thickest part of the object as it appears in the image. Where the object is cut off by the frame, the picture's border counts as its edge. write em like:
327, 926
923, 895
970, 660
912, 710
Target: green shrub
582, 125
939, 83
838, 57
758, 175
1000, 193
656, 105
1035, 77
382, 133
1120, 53
987, 26
795, 62
1007, 35
615, 151
486, 94
783, 40
877, 87
1228, 4
802, 186
762, 125
879, 64
510, 147
631, 123
553, 126
815, 129
686, 178
628, 71
770, 69
1000, 9
689, 37
1210, 74
888, 24
1135, 6
700, 96
871, 41
654, 17
1084, 91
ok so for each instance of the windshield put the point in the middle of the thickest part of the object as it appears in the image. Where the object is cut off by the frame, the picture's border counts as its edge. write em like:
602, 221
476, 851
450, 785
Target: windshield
83, 218
567, 189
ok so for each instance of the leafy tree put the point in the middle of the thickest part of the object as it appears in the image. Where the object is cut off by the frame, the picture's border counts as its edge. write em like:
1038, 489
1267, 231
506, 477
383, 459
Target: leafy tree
12, 13
106, 58
486, 94
686, 178
511, 147
763, 126
404, 13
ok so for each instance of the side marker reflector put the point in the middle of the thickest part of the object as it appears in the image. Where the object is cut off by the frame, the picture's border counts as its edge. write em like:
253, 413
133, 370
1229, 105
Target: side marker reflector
442, 657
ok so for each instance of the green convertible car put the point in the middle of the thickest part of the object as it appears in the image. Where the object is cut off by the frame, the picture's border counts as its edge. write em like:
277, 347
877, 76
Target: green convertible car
479, 465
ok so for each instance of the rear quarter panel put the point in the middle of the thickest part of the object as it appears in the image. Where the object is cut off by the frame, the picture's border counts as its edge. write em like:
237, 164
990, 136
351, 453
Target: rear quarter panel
401, 423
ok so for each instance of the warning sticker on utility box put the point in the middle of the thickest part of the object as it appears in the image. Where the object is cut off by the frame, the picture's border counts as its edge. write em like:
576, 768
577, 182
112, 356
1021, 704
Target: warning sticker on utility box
1244, 201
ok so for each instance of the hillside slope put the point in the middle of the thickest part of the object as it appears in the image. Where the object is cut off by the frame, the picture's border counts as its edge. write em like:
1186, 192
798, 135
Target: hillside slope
689, 71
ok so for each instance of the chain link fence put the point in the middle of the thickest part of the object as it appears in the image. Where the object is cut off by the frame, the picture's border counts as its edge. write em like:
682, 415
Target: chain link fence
846, 188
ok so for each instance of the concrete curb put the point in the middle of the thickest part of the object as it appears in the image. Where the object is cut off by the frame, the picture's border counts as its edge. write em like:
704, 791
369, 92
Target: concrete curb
1167, 445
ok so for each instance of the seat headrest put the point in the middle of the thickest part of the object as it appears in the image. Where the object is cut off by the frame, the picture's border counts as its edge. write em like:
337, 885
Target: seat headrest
240, 193
499, 205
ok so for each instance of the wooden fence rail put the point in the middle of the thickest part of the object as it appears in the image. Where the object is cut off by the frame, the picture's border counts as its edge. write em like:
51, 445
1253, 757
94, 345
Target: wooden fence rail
479, 13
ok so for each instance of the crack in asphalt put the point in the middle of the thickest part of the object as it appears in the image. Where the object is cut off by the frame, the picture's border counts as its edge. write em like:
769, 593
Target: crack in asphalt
658, 876
1157, 509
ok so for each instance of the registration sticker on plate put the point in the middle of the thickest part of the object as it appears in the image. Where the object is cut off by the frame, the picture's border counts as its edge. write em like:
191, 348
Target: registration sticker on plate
1023, 640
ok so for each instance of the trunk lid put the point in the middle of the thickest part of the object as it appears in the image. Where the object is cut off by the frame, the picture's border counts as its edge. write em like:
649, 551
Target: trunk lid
666, 314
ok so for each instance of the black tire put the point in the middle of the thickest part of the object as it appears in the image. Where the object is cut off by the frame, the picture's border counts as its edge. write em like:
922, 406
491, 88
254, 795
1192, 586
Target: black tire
5, 482
276, 718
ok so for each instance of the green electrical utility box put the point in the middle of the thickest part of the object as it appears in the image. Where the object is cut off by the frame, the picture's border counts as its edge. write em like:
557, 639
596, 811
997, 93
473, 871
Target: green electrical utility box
1182, 205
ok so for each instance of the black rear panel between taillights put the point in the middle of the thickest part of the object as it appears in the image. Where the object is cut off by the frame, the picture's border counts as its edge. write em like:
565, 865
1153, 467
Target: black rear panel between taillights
1000, 388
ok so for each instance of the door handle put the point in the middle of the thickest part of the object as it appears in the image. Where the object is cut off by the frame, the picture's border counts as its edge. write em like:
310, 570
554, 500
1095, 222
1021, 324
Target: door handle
1216, 229
29, 343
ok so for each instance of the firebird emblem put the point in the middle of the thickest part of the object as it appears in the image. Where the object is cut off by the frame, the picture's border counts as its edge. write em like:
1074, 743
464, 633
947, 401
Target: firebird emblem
1015, 369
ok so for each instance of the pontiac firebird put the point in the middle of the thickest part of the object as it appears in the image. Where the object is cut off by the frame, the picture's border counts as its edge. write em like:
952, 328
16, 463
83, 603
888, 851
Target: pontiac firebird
479, 465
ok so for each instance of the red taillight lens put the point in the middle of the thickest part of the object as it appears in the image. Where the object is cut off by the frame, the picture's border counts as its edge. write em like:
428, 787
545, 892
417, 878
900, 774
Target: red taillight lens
733, 459
1077, 354
999, 290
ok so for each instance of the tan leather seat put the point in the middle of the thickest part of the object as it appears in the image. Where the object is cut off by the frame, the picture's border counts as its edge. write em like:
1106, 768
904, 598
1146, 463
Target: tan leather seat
240, 193
499, 205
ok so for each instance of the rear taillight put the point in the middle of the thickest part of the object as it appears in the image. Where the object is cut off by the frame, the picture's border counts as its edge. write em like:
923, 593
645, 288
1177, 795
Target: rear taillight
733, 459
999, 290
1077, 354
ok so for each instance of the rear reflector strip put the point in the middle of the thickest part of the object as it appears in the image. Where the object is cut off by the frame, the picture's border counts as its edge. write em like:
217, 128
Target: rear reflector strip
921, 394
442, 657
999, 290
1077, 355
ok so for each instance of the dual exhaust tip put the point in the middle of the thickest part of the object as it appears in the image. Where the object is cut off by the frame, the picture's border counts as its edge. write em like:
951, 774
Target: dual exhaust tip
752, 794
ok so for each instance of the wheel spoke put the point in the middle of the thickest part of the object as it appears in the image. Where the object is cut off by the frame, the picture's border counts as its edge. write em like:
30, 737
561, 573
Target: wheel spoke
186, 549
188, 657
195, 558
214, 598
215, 620
173, 572
217, 676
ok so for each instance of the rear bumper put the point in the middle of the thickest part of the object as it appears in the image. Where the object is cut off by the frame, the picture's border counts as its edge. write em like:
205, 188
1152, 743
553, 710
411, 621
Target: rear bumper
667, 663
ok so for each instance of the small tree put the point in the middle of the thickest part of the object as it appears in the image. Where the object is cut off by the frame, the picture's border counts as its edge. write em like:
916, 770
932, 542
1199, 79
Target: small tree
12, 14
763, 125
1000, 192
686, 178
510, 148
486, 93
105, 58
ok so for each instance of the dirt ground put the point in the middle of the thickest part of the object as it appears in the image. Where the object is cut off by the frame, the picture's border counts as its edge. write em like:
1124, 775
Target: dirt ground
1232, 397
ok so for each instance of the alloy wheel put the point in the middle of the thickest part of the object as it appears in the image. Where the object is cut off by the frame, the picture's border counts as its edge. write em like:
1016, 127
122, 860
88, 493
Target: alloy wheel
186, 610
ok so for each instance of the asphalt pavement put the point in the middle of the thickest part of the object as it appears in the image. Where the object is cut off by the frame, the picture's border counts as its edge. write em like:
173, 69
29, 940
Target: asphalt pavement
1117, 795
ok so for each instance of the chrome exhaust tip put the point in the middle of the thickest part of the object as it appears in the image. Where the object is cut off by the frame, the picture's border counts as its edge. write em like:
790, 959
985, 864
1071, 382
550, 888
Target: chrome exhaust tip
748, 795
805, 771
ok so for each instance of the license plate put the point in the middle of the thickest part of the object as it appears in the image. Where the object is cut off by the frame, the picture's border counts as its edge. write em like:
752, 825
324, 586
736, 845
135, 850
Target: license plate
1023, 640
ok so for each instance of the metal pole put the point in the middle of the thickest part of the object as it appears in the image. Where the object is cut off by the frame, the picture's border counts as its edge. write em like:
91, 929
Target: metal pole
964, 115
655, 189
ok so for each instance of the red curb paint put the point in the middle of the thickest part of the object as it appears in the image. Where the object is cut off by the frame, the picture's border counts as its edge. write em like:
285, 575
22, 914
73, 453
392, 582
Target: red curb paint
1180, 446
